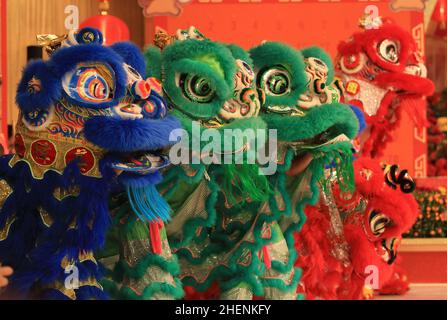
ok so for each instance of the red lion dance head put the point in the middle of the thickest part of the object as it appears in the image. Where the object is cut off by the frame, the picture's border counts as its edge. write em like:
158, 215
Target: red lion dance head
374, 219
383, 73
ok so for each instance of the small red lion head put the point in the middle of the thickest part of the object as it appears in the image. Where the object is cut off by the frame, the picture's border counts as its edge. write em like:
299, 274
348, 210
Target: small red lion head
386, 210
383, 73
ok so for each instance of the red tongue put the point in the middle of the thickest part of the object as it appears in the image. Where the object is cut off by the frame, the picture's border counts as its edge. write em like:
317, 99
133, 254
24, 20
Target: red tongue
137, 162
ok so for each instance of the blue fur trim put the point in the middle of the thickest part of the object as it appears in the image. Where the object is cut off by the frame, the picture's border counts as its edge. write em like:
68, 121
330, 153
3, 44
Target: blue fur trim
66, 59
148, 204
132, 56
51, 89
360, 116
119, 135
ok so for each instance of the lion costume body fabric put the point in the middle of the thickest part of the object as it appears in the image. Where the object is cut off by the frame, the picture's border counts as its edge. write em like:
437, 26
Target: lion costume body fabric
89, 124
209, 87
383, 74
249, 250
226, 229
373, 221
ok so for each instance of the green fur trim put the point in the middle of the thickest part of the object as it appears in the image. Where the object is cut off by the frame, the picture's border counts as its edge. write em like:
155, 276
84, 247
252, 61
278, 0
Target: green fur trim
239, 53
188, 57
273, 54
122, 268
244, 181
190, 227
336, 116
152, 55
317, 52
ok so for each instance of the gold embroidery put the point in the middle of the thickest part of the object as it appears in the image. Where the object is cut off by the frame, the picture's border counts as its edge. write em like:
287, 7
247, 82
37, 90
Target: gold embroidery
87, 256
61, 193
5, 231
63, 142
73, 224
71, 293
46, 217
83, 257
5, 191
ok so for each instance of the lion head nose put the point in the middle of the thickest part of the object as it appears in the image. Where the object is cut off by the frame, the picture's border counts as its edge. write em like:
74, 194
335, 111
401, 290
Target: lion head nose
141, 89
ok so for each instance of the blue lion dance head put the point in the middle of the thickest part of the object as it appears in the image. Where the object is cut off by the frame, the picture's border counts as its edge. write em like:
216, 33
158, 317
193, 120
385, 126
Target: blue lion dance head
89, 122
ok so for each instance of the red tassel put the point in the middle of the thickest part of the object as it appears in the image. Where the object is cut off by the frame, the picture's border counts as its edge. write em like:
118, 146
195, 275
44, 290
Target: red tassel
154, 228
267, 259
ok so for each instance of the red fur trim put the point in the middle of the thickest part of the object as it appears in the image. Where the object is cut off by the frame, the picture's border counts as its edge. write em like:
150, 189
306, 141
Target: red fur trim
212, 293
407, 82
398, 284
400, 207
326, 277
381, 127
322, 273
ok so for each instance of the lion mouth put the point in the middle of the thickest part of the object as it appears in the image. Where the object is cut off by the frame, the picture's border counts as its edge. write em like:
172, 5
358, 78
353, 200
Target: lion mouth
325, 138
141, 163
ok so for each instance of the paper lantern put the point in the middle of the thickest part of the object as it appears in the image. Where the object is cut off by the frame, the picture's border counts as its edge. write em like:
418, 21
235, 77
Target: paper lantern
113, 28
440, 14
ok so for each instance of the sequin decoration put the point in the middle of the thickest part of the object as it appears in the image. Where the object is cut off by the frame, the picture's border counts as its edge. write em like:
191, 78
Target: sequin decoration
370, 95
5, 191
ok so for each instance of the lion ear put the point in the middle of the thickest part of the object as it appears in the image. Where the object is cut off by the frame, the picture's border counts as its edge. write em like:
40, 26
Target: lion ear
240, 53
153, 62
39, 88
320, 53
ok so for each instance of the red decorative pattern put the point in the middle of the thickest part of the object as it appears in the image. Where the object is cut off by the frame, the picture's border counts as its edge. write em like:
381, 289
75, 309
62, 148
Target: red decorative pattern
85, 157
43, 152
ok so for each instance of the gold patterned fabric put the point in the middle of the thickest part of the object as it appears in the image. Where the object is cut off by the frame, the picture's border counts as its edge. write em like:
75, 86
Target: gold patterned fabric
5, 191
58, 141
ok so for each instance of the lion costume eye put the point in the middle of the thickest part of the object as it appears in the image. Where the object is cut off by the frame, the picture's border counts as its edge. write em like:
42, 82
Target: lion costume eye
378, 222
275, 81
196, 88
90, 84
389, 50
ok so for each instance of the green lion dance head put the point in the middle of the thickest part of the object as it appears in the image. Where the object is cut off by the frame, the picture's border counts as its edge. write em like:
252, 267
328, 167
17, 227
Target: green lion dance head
212, 91
303, 105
